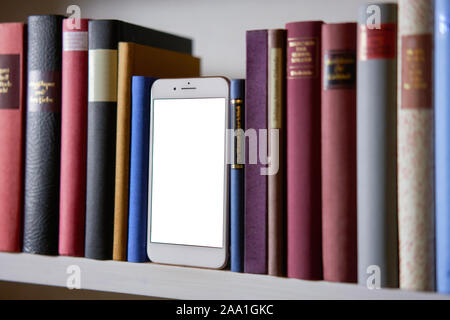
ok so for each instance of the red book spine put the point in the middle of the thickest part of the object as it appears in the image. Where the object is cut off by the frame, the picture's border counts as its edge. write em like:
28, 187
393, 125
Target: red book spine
303, 170
73, 137
339, 152
12, 108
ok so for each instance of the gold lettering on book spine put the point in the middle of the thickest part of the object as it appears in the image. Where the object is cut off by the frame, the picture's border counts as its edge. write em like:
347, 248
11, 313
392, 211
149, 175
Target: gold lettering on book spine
40, 90
302, 58
238, 124
275, 88
5, 81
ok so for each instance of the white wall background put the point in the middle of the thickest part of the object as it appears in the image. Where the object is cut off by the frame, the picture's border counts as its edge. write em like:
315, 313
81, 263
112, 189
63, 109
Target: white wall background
217, 26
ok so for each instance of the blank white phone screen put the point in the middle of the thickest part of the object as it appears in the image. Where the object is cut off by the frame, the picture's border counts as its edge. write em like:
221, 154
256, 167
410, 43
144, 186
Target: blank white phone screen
188, 158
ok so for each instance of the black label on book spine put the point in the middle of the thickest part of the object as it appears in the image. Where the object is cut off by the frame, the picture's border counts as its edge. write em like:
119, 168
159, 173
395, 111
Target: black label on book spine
44, 91
339, 70
9, 81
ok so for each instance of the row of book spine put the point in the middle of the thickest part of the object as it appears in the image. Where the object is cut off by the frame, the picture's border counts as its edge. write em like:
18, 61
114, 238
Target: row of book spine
354, 196
66, 112
355, 113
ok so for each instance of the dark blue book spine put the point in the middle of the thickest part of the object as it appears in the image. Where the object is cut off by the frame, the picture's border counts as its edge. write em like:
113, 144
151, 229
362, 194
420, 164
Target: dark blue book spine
237, 177
139, 148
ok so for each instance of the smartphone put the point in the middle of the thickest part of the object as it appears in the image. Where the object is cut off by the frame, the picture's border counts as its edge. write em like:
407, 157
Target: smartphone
188, 221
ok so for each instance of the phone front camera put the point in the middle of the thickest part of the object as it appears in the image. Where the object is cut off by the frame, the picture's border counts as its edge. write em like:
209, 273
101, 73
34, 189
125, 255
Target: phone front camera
174, 88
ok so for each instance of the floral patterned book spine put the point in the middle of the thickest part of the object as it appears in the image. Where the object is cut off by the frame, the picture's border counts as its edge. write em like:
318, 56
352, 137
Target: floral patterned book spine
415, 145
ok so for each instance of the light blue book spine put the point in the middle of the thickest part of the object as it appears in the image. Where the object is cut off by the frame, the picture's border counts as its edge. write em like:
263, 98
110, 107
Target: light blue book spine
442, 147
140, 123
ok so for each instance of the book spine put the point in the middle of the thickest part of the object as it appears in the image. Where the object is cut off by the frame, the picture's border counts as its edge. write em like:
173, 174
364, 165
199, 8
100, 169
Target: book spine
139, 153
73, 138
125, 70
339, 152
255, 223
442, 145
303, 169
377, 146
101, 138
415, 145
237, 96
12, 109
275, 180
43, 130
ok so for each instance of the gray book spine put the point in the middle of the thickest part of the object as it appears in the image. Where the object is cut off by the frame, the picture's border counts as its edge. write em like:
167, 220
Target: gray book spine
377, 145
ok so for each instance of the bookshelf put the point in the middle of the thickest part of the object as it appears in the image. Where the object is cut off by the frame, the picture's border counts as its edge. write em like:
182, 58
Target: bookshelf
148, 279
218, 29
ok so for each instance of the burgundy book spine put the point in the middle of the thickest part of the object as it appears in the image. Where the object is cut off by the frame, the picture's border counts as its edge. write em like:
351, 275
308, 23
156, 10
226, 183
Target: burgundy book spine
339, 152
303, 169
255, 222
12, 108
73, 138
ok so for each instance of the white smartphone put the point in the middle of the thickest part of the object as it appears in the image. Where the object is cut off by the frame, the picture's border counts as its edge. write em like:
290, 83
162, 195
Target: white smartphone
188, 220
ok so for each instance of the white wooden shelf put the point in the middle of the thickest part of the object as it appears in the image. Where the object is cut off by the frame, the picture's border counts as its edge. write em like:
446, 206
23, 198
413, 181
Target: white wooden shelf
155, 280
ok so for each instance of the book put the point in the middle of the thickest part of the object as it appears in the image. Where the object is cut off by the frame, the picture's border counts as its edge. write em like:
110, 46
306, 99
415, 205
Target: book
338, 124
43, 135
139, 157
303, 168
415, 145
135, 59
72, 201
276, 79
104, 36
12, 111
377, 147
237, 202
442, 145
255, 221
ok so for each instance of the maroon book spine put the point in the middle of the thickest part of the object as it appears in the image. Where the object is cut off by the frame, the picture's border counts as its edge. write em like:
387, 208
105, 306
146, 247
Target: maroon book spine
339, 152
303, 169
255, 222
12, 108
73, 138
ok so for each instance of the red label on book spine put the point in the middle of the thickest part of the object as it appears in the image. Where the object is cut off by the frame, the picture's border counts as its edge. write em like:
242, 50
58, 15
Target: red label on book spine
377, 43
416, 71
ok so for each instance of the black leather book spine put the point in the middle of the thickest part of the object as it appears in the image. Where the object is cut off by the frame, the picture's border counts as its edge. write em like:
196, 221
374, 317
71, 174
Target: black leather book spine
42, 139
154, 38
101, 148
